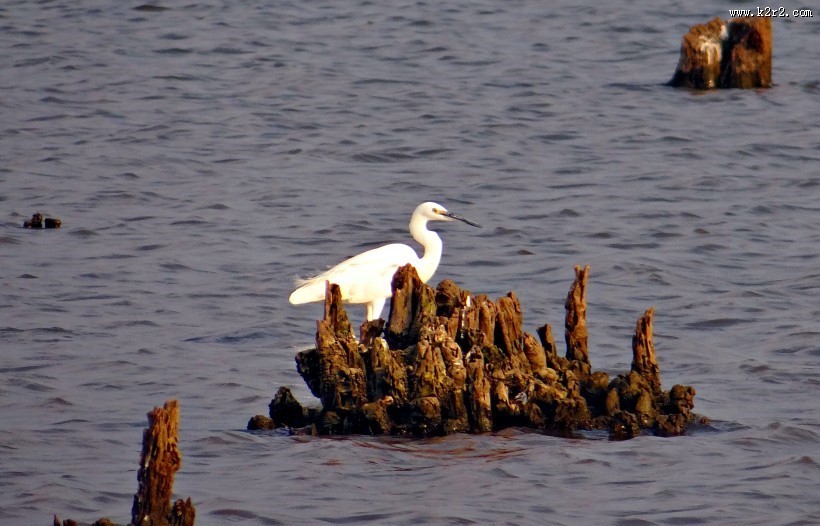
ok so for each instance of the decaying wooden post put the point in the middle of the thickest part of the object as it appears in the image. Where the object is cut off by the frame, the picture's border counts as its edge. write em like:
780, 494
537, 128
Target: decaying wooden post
159, 461
749, 61
733, 54
643, 352
341, 383
701, 54
414, 305
577, 336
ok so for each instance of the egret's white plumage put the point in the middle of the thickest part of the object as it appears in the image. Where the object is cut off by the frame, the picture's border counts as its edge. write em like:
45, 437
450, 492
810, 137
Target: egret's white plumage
366, 278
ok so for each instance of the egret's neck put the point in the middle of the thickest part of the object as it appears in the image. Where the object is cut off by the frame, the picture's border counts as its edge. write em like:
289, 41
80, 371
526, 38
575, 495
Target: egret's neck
432, 248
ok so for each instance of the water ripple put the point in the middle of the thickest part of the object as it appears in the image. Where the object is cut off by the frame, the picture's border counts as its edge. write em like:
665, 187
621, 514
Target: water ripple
201, 156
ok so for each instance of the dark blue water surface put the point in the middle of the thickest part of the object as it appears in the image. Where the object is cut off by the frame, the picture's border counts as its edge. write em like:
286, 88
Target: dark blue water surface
204, 156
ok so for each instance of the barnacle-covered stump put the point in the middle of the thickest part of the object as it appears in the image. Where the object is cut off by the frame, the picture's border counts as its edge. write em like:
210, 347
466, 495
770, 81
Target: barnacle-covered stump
451, 362
159, 461
733, 54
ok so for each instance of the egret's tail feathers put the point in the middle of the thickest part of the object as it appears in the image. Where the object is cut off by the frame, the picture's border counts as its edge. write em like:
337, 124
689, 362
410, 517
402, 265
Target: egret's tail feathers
309, 292
300, 282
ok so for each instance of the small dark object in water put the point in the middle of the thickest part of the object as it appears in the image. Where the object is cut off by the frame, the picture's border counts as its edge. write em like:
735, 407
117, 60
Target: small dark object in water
260, 422
36, 221
39, 221
151, 8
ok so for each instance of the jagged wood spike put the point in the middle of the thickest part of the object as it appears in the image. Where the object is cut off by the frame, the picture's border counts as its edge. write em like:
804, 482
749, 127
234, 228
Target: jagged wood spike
576, 319
643, 351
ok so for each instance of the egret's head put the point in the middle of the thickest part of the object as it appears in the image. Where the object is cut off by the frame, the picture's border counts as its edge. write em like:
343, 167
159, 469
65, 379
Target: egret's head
435, 212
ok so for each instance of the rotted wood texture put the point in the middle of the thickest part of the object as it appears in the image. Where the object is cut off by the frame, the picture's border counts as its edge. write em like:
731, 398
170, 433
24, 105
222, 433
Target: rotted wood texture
720, 54
453, 362
159, 461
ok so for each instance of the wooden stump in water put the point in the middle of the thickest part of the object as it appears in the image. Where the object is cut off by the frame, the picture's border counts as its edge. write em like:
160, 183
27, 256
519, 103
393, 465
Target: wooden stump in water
453, 362
575, 324
749, 62
413, 307
159, 461
341, 381
733, 54
643, 352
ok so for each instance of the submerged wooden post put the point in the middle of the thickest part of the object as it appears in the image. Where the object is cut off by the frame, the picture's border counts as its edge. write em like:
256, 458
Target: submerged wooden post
341, 381
733, 54
643, 352
411, 306
749, 62
335, 316
159, 461
701, 52
577, 335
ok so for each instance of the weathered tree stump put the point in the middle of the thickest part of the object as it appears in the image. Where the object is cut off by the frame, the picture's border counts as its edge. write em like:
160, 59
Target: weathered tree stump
733, 54
414, 306
159, 461
451, 362
750, 53
643, 352
577, 336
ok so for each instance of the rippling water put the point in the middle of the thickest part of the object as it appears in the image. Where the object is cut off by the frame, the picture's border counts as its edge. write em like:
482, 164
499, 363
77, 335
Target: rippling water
203, 156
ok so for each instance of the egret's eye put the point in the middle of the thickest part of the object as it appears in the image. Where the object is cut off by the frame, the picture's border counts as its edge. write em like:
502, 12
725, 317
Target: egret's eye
436, 211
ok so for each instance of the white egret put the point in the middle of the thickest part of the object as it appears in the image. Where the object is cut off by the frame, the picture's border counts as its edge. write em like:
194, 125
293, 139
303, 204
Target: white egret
366, 278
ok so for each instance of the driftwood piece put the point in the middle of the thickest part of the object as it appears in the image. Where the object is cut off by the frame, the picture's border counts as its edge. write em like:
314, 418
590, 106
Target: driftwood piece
159, 461
452, 362
733, 54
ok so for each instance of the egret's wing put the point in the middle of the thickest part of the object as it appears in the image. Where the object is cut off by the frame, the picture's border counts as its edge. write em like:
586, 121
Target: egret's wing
361, 278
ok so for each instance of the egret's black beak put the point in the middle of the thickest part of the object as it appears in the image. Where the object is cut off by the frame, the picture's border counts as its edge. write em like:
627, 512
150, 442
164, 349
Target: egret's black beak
459, 218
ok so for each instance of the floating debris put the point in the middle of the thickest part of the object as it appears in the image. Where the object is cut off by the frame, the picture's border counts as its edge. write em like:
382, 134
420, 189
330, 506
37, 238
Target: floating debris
39, 221
151, 8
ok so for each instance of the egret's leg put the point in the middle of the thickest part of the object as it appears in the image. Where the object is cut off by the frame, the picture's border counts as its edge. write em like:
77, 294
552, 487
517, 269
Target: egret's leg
374, 309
